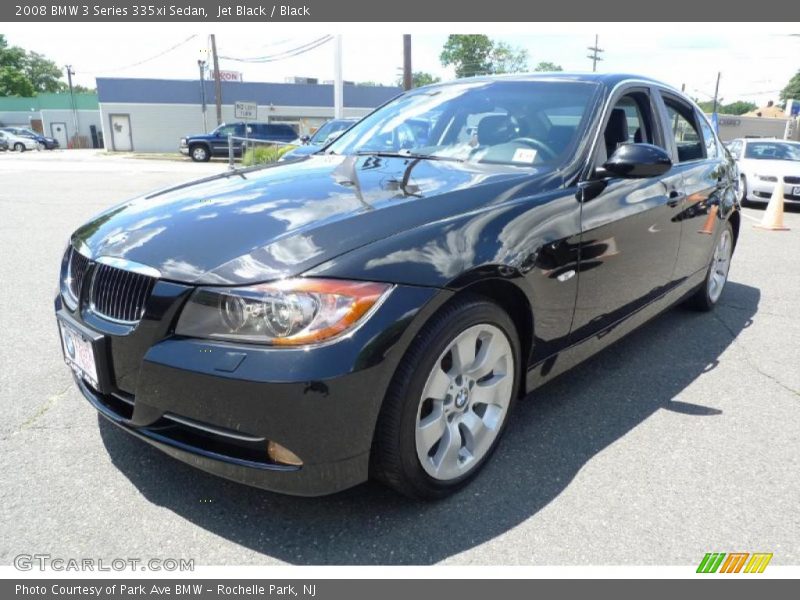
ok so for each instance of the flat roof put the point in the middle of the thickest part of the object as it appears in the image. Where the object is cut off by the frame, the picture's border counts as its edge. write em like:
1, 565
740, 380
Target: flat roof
187, 91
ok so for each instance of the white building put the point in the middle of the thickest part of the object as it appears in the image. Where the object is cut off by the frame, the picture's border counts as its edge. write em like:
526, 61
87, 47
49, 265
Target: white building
151, 115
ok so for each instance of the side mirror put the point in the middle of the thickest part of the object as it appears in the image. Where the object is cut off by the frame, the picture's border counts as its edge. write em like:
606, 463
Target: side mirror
636, 161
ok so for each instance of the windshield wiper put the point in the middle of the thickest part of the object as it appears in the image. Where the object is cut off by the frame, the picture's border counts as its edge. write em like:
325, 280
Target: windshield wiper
407, 154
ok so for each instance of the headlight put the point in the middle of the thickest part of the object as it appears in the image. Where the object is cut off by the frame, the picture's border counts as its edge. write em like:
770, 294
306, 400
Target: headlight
291, 312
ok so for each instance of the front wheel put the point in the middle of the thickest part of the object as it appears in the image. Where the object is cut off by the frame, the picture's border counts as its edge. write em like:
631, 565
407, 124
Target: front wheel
449, 401
199, 153
707, 296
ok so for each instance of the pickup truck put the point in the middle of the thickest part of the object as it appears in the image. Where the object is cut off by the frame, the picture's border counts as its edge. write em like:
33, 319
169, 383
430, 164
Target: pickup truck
202, 146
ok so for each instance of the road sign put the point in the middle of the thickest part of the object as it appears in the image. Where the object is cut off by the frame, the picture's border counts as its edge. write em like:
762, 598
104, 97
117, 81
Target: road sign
230, 76
245, 110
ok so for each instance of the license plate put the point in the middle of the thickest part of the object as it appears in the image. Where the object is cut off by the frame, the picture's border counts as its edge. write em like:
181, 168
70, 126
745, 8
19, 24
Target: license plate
796, 190
79, 353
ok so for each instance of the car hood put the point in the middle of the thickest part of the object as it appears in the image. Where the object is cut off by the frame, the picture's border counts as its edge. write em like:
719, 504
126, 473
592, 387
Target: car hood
199, 136
777, 168
282, 220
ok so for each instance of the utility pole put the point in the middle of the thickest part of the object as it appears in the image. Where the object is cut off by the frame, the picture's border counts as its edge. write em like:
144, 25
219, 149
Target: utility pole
716, 93
202, 65
70, 73
217, 82
407, 81
338, 93
596, 50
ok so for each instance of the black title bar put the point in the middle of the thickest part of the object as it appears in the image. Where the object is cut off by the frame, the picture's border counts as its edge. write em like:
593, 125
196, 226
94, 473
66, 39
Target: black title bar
314, 11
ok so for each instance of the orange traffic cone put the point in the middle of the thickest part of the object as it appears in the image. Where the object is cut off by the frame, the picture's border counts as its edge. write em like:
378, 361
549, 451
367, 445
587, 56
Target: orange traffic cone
708, 226
773, 215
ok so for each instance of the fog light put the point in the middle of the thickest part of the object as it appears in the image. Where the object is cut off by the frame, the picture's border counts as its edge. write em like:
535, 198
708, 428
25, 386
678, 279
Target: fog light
283, 456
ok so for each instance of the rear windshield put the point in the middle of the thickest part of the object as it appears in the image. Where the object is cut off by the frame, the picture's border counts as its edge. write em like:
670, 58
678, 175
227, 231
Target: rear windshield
282, 130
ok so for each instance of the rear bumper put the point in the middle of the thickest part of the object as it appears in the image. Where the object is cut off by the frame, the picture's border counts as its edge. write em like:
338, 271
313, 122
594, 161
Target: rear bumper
217, 405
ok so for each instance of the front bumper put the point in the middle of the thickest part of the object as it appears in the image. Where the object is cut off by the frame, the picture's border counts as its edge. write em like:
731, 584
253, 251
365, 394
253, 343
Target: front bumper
215, 405
184, 150
761, 191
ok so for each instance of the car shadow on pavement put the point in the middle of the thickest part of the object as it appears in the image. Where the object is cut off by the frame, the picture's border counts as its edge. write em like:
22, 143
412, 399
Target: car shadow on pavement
553, 434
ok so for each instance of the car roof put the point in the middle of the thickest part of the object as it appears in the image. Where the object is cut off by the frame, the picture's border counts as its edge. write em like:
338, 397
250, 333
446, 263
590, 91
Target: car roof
606, 79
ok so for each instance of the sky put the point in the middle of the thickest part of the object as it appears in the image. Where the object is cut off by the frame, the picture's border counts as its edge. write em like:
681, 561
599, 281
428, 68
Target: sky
755, 60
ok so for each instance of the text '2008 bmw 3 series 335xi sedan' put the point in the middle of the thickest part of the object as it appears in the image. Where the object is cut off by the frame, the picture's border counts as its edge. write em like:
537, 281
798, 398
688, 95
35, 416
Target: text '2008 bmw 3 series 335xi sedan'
376, 308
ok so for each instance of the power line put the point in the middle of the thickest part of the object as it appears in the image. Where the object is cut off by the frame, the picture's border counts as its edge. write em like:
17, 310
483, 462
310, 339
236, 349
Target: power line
141, 62
291, 53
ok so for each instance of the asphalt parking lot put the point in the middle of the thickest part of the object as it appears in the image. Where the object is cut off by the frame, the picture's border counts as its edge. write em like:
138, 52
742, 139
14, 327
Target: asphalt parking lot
682, 439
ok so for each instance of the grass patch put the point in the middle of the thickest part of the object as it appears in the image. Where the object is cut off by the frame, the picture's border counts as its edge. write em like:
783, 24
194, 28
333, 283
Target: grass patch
264, 155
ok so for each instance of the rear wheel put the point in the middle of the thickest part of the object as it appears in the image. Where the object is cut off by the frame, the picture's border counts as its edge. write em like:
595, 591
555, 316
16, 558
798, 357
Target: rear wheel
199, 153
449, 401
707, 296
19, 147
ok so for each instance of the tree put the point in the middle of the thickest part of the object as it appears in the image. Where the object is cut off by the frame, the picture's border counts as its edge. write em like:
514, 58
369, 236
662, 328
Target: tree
42, 73
419, 78
506, 59
547, 66
26, 73
15, 83
739, 107
792, 89
476, 54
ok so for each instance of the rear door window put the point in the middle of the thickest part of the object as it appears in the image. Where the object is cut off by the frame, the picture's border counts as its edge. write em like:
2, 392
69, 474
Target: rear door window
709, 139
684, 129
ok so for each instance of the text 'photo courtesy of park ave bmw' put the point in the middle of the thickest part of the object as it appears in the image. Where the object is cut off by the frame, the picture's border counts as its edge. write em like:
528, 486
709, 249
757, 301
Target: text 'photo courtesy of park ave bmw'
375, 308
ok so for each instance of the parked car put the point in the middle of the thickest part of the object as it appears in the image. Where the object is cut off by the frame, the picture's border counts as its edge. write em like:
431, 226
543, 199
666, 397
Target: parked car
47, 143
19, 143
3, 144
764, 162
326, 133
201, 147
377, 310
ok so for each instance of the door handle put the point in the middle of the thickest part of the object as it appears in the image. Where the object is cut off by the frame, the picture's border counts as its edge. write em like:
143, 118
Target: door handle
675, 198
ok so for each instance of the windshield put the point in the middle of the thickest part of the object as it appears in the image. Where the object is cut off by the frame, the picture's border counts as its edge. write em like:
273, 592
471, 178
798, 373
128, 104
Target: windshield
519, 123
772, 151
327, 130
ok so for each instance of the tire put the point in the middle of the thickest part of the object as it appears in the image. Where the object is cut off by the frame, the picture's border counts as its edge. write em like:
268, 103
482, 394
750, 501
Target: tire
743, 201
434, 460
19, 147
709, 293
199, 153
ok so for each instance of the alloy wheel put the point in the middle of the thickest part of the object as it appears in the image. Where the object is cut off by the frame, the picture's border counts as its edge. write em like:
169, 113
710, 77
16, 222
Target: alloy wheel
720, 263
199, 153
464, 402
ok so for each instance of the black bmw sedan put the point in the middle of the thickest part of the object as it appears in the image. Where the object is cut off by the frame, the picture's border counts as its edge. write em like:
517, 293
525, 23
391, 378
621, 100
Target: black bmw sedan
376, 310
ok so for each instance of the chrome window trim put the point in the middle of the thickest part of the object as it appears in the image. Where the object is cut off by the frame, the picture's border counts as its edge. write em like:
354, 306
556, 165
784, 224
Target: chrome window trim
651, 85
